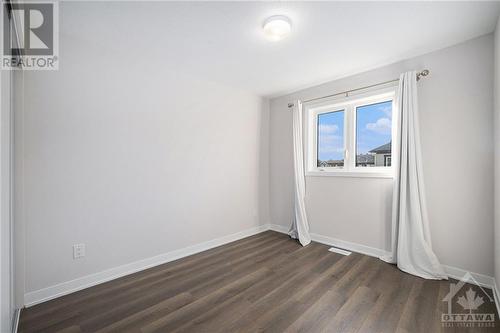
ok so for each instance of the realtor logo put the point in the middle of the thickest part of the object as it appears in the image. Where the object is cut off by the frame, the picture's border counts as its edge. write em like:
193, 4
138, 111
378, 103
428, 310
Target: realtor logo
464, 305
30, 35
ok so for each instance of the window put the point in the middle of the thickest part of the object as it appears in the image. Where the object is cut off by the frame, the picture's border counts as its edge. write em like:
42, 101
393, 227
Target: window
373, 134
330, 147
387, 160
351, 136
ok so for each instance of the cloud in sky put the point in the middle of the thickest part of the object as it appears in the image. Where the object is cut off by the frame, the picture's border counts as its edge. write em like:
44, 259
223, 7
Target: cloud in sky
328, 129
381, 126
387, 110
331, 143
331, 136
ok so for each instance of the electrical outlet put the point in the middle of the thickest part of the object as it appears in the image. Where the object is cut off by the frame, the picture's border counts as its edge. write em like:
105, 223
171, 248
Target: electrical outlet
78, 251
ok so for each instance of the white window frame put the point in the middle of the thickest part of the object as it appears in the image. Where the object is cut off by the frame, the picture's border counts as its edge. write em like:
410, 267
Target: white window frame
349, 105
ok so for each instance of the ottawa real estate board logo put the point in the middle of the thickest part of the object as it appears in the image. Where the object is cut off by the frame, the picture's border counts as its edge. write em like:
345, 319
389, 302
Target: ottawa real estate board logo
468, 305
30, 37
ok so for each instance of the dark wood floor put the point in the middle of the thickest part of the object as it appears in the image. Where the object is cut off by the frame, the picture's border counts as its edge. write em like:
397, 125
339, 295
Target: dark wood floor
265, 283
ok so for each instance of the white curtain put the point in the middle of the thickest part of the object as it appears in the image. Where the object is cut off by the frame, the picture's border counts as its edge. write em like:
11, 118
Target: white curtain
411, 240
300, 227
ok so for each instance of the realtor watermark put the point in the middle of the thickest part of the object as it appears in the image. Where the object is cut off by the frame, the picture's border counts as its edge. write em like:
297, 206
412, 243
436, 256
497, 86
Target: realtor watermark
30, 37
465, 305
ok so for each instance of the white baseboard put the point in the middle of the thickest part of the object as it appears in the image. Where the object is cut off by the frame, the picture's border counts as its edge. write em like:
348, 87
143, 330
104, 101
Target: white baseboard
278, 228
353, 247
481, 279
61, 289
42, 295
452, 272
15, 320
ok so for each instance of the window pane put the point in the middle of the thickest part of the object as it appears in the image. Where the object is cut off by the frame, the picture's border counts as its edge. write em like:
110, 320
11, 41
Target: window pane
331, 139
374, 135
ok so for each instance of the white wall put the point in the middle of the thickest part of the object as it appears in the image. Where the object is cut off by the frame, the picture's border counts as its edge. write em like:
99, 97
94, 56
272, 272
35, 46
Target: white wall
125, 153
6, 281
456, 104
19, 228
497, 154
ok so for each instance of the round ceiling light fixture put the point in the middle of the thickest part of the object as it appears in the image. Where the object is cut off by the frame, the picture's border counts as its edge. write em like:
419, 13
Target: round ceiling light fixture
277, 27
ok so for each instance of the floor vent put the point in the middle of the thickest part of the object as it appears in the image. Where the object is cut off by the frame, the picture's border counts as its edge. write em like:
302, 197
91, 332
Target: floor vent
339, 251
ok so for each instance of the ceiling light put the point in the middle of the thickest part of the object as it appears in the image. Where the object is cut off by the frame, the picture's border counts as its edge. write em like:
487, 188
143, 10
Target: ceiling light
277, 27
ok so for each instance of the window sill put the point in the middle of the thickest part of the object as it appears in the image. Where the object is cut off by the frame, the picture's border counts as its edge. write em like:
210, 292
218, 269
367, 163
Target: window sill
353, 174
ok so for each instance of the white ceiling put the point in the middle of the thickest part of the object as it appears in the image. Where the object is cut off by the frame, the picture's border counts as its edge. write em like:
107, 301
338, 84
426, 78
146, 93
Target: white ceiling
223, 41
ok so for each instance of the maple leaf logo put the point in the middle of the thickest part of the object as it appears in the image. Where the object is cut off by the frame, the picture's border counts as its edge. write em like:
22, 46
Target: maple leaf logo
470, 301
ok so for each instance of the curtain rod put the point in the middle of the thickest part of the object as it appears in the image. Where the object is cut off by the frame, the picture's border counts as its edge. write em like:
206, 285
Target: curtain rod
420, 75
